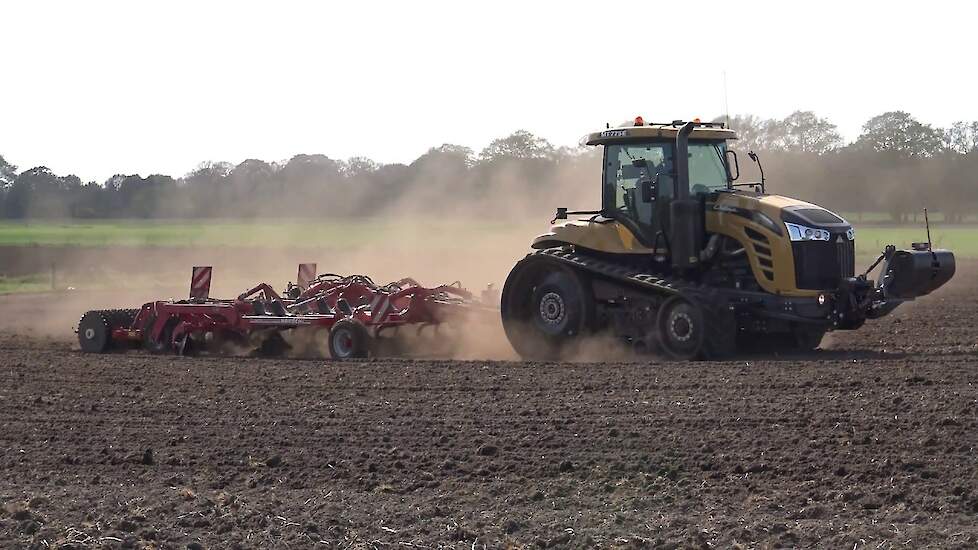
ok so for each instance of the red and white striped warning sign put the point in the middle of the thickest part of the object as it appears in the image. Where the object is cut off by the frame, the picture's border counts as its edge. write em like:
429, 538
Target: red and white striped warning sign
307, 272
200, 282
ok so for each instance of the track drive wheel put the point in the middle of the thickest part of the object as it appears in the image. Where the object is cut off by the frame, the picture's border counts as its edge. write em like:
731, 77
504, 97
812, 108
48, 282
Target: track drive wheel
349, 339
546, 307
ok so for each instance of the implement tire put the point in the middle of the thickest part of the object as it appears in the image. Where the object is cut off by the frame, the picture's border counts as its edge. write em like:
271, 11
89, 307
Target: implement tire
349, 339
94, 334
165, 343
95, 328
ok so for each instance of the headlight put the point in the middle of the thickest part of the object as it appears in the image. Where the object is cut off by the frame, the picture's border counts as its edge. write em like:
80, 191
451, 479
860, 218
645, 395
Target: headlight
851, 234
803, 233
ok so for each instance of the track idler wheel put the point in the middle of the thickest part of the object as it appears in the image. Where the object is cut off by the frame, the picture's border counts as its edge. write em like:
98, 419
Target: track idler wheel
349, 339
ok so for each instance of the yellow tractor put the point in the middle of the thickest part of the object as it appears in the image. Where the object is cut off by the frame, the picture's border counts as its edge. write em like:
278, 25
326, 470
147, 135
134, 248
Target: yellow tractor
683, 260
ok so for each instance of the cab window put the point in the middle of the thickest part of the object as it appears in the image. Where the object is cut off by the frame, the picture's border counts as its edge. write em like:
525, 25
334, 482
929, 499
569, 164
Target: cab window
621, 190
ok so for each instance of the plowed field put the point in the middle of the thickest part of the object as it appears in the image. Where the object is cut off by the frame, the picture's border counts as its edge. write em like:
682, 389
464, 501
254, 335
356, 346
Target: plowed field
869, 443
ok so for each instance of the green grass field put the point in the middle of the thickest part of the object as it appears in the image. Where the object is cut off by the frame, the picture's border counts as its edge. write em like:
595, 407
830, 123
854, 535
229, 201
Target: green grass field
963, 240
345, 234
354, 234
28, 283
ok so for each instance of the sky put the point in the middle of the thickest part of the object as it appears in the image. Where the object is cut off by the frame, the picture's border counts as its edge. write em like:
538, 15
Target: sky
98, 88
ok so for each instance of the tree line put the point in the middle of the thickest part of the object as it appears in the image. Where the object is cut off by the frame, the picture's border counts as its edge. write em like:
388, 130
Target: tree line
897, 165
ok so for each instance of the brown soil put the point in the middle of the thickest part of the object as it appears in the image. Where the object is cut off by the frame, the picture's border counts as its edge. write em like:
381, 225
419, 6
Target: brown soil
868, 444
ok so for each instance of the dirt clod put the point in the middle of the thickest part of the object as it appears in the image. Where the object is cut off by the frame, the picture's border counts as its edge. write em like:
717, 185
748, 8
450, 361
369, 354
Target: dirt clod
488, 450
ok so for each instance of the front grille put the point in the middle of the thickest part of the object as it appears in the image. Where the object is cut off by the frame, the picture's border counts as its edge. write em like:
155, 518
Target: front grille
820, 265
846, 250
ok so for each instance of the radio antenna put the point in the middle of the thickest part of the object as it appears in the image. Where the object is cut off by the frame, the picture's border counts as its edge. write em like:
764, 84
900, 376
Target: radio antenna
726, 101
930, 244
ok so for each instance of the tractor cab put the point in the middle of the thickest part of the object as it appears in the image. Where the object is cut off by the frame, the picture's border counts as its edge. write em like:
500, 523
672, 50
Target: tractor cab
639, 173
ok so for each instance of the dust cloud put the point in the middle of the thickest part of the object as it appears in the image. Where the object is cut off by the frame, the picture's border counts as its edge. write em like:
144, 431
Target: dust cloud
431, 235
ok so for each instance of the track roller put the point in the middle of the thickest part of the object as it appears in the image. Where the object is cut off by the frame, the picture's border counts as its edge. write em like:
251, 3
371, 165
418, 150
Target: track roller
689, 331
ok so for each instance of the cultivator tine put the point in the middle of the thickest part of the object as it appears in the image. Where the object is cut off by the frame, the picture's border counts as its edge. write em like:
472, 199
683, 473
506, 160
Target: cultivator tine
200, 282
307, 274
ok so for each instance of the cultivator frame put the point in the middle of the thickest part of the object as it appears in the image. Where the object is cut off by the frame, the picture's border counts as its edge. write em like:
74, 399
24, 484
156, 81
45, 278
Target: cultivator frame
354, 311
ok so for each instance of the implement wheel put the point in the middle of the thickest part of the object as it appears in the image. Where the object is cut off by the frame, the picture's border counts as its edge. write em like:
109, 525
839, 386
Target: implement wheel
94, 334
546, 307
349, 339
95, 328
165, 342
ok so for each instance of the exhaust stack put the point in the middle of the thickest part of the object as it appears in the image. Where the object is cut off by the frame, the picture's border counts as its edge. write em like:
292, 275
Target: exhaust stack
685, 213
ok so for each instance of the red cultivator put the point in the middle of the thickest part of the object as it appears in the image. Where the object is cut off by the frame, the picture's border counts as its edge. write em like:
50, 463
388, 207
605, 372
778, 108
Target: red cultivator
352, 313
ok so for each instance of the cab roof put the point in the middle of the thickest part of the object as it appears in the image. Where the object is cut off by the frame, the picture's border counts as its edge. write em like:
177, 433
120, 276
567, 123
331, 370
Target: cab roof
639, 130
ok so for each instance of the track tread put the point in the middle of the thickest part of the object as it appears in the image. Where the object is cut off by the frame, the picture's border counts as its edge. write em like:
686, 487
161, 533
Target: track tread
721, 341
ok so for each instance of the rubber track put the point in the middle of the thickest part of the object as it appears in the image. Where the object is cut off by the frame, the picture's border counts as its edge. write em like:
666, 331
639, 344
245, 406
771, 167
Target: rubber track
618, 272
719, 343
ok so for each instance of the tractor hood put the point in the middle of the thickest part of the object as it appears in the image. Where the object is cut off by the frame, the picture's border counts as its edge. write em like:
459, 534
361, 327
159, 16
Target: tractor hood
780, 209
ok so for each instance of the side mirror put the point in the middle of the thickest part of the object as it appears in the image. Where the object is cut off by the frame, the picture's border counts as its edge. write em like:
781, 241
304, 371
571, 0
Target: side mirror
736, 165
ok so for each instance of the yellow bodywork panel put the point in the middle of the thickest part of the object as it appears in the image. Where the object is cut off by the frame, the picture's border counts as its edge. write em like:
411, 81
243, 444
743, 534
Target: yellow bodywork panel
768, 253
599, 234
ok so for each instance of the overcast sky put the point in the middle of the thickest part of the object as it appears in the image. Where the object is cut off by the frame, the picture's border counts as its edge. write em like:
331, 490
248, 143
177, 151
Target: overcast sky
96, 88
